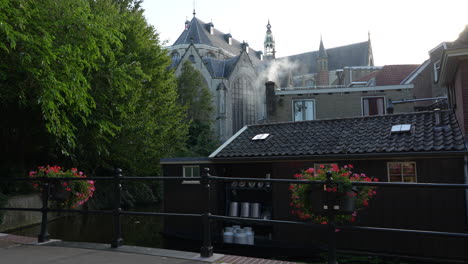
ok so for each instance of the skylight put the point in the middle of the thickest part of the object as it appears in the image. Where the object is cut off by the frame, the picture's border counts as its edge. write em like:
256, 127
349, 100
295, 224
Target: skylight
401, 128
260, 136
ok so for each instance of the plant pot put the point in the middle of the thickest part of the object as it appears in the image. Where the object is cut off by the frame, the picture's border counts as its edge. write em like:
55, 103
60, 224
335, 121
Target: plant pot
317, 198
58, 192
347, 203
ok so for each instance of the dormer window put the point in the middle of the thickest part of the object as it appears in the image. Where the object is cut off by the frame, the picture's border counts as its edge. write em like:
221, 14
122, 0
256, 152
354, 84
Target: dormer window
228, 38
210, 28
260, 55
245, 46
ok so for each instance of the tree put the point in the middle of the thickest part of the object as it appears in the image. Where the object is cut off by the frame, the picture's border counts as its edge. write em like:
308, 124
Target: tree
85, 82
196, 97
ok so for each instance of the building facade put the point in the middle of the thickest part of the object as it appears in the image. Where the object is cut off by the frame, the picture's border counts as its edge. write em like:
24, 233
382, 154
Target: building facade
236, 74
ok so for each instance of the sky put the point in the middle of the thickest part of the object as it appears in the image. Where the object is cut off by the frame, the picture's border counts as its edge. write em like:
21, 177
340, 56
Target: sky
401, 32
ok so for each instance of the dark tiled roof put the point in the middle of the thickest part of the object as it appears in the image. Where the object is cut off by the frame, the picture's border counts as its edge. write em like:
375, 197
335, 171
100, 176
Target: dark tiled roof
361, 135
199, 34
394, 74
350, 55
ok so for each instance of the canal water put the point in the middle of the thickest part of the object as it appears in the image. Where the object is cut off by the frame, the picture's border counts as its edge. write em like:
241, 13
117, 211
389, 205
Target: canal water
141, 231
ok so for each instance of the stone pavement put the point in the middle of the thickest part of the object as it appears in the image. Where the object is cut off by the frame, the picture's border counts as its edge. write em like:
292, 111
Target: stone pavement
25, 250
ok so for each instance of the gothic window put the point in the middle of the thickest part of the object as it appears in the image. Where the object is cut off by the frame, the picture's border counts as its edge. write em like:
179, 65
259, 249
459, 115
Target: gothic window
303, 110
175, 55
192, 58
243, 103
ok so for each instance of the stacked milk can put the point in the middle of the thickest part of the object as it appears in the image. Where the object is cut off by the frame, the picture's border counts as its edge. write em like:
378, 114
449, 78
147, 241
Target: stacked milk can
238, 235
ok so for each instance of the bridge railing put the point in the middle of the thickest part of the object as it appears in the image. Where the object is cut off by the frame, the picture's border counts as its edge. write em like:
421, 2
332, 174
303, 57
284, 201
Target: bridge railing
206, 179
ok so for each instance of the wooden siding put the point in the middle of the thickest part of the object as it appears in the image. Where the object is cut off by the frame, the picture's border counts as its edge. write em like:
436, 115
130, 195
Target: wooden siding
423, 209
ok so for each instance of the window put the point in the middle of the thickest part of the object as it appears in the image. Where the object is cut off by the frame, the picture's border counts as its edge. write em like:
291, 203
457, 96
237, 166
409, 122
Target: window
175, 55
373, 106
192, 58
243, 103
303, 110
309, 83
325, 165
190, 172
436, 71
402, 171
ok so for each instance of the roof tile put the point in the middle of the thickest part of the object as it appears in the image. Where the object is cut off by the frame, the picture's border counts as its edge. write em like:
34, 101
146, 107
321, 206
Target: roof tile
349, 136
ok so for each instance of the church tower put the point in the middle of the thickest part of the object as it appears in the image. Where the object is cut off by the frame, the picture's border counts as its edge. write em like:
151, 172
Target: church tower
322, 66
269, 43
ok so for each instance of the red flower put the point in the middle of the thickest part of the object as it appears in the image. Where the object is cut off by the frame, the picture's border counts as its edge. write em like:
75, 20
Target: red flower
376, 180
298, 176
365, 202
324, 223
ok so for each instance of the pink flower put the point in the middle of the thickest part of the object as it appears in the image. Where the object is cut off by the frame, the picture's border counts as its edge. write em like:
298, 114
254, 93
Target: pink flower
310, 170
65, 184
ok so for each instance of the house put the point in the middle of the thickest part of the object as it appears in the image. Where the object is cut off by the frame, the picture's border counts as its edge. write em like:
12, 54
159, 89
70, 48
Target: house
362, 91
430, 148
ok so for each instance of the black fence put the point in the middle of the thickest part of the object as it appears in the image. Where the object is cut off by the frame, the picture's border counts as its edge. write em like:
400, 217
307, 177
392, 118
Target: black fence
207, 217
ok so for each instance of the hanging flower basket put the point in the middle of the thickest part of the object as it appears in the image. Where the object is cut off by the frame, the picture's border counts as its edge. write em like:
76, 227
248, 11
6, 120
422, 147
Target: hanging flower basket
309, 201
58, 191
67, 193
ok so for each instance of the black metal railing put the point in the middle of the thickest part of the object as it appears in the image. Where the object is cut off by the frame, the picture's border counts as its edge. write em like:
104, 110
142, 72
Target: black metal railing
207, 216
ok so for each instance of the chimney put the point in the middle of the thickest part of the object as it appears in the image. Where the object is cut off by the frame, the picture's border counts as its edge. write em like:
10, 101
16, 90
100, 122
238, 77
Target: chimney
270, 96
390, 107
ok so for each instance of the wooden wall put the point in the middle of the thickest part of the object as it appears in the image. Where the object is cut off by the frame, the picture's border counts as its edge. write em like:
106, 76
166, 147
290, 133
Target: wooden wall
423, 209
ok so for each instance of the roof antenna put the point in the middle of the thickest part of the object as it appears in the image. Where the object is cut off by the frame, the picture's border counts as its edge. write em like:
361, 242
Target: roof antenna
368, 35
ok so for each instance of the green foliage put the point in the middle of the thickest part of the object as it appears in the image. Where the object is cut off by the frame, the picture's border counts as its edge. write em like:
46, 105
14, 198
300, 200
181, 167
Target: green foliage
197, 99
85, 82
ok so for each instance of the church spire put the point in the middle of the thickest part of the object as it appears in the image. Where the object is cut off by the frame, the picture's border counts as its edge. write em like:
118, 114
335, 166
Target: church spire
322, 78
322, 51
269, 43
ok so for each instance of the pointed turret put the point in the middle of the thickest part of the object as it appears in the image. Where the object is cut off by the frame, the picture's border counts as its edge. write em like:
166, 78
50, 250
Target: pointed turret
322, 51
269, 43
322, 65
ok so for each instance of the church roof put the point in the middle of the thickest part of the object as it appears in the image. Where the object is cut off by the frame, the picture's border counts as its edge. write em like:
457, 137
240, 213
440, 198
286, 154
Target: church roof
350, 55
198, 32
220, 68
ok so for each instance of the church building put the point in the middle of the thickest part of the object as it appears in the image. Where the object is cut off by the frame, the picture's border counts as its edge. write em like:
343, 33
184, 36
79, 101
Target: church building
236, 74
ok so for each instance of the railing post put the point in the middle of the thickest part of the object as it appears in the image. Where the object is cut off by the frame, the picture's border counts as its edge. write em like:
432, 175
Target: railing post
206, 250
44, 235
118, 240
331, 222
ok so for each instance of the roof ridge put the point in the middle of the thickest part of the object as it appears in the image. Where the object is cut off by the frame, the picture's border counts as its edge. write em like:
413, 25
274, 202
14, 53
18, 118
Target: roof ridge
348, 118
328, 49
